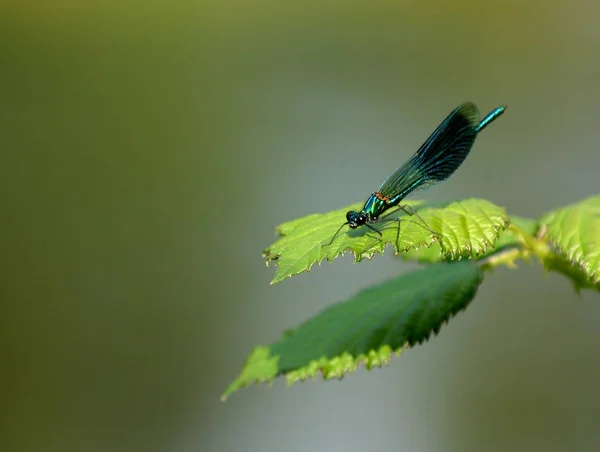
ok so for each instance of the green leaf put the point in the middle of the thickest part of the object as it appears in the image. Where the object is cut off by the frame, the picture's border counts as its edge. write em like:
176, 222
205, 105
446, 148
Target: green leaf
368, 328
507, 238
579, 279
575, 231
464, 229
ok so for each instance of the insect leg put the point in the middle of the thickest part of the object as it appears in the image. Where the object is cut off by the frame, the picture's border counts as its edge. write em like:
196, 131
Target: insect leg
410, 211
335, 235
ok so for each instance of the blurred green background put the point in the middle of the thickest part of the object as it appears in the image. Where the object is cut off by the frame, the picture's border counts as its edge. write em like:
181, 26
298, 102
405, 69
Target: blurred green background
149, 150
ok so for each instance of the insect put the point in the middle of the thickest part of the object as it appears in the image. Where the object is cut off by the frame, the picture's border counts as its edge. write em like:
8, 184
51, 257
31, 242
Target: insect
435, 161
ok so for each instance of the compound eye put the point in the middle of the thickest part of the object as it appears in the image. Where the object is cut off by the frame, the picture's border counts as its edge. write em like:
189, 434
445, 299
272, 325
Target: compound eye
351, 218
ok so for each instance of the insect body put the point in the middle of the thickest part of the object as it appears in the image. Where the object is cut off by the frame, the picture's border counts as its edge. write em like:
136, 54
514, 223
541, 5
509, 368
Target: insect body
435, 161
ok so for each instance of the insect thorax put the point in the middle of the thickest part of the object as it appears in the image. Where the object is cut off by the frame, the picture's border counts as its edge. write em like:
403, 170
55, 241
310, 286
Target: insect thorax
376, 205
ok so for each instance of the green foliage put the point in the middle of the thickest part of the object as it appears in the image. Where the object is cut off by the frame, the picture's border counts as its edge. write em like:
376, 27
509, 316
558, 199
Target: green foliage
368, 327
574, 273
506, 239
575, 231
464, 229
380, 321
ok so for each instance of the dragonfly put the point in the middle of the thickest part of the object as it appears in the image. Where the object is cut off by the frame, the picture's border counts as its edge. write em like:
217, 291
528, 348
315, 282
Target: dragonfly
435, 161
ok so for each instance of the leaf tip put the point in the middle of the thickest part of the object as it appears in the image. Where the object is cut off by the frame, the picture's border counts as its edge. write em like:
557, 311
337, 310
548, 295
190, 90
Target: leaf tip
260, 367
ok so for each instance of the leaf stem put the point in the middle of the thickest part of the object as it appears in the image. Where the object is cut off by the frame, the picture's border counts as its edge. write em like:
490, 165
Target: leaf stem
538, 246
506, 257
529, 246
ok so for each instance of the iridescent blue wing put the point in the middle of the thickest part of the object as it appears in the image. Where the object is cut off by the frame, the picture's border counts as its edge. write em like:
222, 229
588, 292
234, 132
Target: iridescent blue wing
443, 152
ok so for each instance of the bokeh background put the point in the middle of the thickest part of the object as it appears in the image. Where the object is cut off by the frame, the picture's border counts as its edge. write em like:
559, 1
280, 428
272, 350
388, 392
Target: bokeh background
148, 150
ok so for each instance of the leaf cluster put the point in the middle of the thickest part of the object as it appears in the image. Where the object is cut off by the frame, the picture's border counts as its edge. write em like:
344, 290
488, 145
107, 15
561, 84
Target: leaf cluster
458, 243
